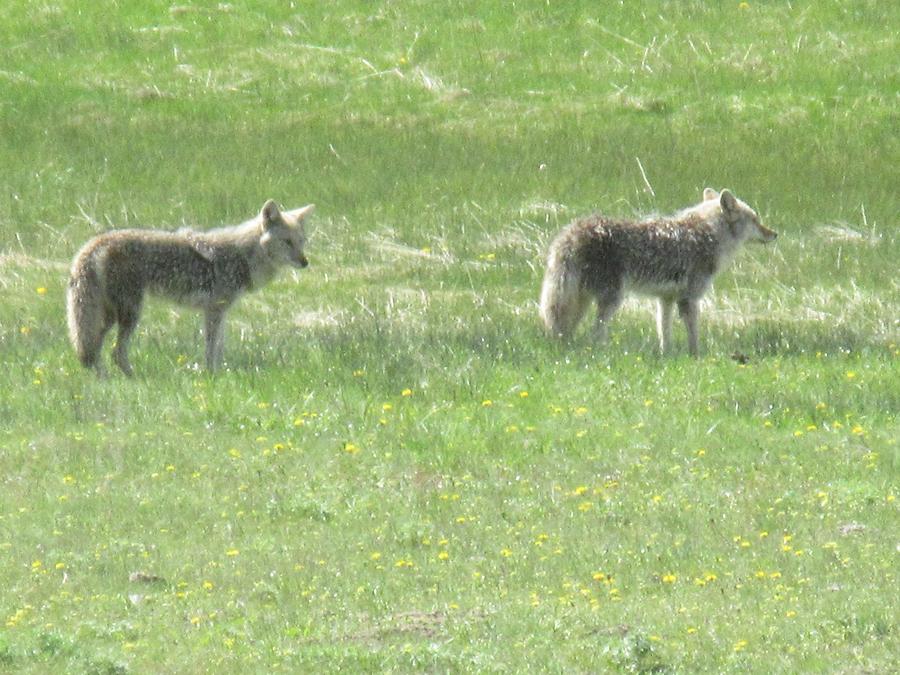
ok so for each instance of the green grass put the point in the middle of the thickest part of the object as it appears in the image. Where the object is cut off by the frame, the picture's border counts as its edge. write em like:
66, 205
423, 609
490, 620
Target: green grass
397, 471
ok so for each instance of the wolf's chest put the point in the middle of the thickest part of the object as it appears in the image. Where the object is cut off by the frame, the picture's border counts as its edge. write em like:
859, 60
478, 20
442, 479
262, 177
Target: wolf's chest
656, 287
202, 280
670, 270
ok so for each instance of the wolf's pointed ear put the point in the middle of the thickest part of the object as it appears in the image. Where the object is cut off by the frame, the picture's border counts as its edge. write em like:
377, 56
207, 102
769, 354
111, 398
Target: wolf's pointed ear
269, 212
728, 202
298, 215
709, 193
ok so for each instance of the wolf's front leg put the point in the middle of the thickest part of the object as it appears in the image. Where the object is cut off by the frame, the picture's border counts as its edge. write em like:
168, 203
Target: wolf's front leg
664, 323
214, 331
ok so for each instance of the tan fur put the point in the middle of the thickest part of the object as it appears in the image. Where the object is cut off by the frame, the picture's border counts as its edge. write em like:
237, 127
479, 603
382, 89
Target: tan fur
209, 270
673, 259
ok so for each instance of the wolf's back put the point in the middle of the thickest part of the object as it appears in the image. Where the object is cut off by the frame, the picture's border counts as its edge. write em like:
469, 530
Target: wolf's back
85, 305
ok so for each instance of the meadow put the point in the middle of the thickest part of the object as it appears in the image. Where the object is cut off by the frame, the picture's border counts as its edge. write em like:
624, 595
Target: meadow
397, 471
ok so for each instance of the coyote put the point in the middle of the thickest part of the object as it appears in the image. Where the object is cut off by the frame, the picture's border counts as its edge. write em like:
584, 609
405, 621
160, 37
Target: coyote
672, 258
208, 270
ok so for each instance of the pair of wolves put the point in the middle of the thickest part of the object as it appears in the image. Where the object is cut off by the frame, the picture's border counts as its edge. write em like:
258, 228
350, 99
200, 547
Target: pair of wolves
595, 258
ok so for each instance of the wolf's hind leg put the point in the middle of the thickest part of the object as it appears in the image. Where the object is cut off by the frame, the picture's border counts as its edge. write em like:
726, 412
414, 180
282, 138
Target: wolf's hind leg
96, 360
608, 302
214, 332
689, 311
127, 317
91, 353
570, 315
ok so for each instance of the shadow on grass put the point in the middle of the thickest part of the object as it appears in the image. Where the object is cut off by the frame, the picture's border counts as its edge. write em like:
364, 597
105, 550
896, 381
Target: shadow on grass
776, 338
401, 352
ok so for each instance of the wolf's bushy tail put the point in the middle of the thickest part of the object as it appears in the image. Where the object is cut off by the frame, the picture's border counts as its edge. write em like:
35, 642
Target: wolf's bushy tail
563, 300
85, 307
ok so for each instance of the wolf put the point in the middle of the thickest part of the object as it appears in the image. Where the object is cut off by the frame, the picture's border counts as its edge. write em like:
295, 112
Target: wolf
208, 269
673, 258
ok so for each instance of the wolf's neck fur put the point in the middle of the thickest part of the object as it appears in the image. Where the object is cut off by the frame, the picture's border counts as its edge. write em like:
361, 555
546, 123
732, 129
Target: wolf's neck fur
245, 238
245, 235
710, 213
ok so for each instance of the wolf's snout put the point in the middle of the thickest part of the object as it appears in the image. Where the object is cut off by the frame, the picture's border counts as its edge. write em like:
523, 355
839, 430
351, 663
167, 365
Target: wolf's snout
766, 235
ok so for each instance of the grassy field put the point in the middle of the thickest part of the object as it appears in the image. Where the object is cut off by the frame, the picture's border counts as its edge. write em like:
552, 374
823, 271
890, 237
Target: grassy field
397, 471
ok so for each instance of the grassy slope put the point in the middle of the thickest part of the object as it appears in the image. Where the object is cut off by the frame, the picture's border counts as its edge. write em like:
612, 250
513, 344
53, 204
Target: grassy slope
524, 504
